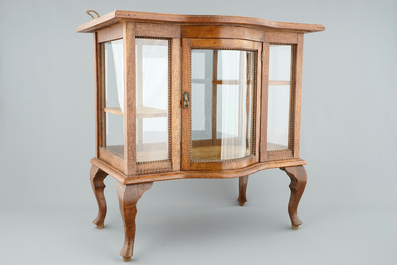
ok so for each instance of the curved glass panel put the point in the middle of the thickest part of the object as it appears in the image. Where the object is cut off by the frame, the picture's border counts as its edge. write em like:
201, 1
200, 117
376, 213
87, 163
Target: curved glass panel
222, 84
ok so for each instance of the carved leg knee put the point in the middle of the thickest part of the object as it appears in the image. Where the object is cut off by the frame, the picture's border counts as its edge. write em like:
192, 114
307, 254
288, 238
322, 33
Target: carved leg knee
298, 183
96, 177
128, 198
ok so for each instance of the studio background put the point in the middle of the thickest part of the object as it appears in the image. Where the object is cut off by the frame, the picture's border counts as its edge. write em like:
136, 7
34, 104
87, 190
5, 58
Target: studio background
348, 138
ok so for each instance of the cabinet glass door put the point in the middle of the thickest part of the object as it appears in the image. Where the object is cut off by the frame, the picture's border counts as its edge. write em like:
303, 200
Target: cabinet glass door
222, 104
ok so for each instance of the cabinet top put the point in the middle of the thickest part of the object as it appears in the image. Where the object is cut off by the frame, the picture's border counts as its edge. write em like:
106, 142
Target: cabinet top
119, 15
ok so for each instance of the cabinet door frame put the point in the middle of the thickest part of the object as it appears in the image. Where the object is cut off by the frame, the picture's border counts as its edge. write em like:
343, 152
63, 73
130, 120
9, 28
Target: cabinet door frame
233, 44
128, 31
296, 42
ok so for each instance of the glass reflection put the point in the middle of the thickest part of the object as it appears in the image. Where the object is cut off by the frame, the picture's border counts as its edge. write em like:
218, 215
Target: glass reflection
279, 97
222, 104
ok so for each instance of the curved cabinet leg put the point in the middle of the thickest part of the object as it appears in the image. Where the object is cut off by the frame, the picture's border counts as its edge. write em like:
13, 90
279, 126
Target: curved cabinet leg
298, 182
96, 177
242, 186
128, 198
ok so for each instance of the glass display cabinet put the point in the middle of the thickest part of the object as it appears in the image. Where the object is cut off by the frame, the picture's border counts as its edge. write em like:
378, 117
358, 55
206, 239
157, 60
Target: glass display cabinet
187, 96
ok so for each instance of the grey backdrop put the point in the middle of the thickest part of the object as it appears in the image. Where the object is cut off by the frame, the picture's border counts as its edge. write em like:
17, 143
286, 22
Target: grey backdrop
348, 138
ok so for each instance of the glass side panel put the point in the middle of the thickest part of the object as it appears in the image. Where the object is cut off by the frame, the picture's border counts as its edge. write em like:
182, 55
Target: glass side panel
222, 94
114, 96
152, 115
279, 97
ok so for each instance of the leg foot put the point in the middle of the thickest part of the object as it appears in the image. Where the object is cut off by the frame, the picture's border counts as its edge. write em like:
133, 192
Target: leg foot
298, 183
242, 184
96, 177
128, 198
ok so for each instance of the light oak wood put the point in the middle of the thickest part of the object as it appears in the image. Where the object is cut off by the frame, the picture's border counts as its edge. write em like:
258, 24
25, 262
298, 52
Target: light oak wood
97, 177
281, 37
186, 122
157, 30
298, 183
242, 186
111, 155
129, 99
141, 112
264, 100
109, 34
128, 199
152, 152
224, 43
232, 82
279, 155
176, 103
118, 15
279, 83
224, 32
298, 96
99, 62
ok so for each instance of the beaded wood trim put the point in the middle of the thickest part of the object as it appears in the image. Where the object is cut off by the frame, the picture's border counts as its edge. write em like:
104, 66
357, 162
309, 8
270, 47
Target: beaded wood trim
292, 106
280, 157
253, 134
152, 171
169, 108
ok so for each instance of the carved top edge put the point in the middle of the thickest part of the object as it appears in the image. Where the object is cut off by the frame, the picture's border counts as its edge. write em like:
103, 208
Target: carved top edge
119, 15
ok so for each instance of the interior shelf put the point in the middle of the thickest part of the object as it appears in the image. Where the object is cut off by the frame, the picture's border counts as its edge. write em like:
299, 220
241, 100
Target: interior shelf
279, 83
145, 153
273, 146
141, 112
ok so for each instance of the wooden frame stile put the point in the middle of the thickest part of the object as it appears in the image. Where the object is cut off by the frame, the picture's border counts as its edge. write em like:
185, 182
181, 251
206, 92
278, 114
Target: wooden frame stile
176, 103
98, 95
264, 101
130, 99
186, 122
298, 95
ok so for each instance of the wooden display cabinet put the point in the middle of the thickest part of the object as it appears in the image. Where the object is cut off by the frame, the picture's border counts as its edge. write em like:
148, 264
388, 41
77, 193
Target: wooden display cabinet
186, 96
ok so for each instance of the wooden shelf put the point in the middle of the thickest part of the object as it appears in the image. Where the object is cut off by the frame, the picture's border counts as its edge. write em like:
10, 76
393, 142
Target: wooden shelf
231, 82
212, 152
279, 83
115, 110
141, 112
273, 147
145, 153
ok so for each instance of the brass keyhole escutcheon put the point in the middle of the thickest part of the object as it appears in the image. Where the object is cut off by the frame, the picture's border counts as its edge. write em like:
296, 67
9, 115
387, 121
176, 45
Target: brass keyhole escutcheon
185, 100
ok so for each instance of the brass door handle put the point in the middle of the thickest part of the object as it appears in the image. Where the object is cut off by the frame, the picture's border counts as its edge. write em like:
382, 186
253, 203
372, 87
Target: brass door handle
185, 100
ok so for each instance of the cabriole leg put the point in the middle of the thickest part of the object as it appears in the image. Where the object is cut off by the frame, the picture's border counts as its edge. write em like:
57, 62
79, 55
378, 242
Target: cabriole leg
298, 182
242, 185
128, 198
96, 177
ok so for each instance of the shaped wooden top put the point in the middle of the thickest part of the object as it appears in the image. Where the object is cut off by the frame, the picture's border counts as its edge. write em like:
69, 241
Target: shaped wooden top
119, 15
